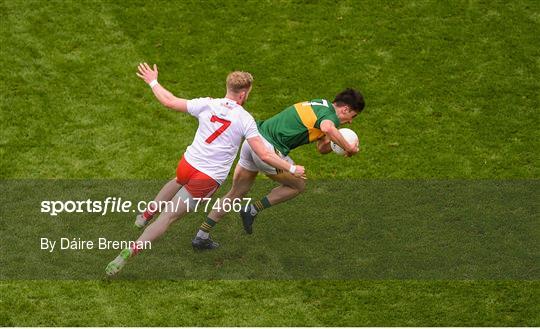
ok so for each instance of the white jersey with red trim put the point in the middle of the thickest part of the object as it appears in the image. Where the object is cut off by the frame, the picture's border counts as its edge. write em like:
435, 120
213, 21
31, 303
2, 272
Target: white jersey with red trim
223, 124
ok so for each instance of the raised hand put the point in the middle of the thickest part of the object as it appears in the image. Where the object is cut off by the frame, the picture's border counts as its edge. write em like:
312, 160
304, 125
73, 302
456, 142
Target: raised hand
147, 73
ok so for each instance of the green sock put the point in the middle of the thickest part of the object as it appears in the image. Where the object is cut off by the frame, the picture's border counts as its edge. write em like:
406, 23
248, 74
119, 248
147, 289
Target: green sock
207, 225
263, 204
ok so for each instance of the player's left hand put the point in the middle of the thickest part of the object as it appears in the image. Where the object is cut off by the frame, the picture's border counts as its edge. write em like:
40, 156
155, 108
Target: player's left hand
147, 73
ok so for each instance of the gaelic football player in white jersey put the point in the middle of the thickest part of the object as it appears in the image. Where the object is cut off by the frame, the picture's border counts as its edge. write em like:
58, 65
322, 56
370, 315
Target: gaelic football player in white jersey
223, 125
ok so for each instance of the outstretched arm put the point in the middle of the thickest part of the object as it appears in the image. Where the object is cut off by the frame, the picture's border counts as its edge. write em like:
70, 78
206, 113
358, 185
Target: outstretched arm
272, 159
164, 96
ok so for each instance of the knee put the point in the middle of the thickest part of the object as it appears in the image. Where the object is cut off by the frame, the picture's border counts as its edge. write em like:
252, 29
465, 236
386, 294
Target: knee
300, 187
169, 217
236, 192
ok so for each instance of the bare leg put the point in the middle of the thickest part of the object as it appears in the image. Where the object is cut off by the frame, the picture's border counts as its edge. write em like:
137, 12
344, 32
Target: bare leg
243, 180
165, 219
168, 191
152, 232
290, 187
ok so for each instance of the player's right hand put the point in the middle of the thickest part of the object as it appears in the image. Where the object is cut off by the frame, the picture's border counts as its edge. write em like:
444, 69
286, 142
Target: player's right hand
356, 149
147, 73
300, 172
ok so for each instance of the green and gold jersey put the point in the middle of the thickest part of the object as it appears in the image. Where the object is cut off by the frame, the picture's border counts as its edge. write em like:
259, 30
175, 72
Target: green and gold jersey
298, 124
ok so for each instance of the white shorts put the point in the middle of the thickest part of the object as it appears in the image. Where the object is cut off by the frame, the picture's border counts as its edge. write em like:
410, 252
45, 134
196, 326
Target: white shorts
251, 161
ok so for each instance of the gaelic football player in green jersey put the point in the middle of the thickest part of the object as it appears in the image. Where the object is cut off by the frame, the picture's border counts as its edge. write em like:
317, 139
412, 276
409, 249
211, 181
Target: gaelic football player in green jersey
317, 121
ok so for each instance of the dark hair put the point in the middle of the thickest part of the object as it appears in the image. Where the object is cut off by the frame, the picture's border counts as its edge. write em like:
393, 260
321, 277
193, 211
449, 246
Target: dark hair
352, 98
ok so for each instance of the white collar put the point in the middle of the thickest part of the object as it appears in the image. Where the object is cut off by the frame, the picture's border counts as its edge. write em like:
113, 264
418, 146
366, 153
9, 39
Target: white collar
231, 100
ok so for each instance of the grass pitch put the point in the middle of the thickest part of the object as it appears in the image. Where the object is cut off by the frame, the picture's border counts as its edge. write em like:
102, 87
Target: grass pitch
269, 303
451, 91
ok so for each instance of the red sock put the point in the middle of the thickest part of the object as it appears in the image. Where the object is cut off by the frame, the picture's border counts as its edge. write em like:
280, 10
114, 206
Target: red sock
149, 213
134, 249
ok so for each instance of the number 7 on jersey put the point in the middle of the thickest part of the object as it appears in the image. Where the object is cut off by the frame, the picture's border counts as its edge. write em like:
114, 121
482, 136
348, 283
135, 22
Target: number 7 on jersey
220, 130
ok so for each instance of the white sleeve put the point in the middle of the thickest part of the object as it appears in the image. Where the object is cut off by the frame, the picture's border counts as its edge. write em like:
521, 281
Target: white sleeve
250, 127
197, 105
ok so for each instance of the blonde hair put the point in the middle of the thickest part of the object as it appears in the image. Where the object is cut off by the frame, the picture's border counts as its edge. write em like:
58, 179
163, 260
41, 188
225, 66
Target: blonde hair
238, 81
